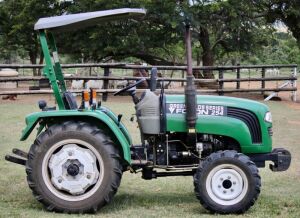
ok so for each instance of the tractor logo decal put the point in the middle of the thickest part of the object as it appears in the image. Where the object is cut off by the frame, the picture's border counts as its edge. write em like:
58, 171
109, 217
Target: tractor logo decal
202, 109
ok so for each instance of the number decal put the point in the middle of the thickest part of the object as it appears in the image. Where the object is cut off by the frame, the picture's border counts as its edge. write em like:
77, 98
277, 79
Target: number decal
202, 109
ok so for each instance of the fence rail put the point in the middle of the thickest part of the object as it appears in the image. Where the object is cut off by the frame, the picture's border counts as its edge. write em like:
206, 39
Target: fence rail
38, 78
220, 70
167, 91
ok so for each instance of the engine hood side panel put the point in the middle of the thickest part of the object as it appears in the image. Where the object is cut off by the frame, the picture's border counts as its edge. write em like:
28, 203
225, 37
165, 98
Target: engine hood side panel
222, 124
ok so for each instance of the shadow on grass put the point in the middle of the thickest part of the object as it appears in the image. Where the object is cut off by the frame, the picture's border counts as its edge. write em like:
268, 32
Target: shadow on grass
152, 201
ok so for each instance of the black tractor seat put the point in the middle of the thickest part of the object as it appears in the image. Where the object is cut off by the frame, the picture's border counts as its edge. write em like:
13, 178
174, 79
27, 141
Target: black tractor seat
70, 101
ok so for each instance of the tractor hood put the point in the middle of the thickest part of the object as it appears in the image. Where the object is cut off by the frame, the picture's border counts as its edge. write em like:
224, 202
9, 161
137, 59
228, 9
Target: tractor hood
214, 105
239, 119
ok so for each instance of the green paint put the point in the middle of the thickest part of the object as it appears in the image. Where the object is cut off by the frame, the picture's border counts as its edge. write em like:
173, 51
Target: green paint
57, 66
53, 72
120, 134
109, 113
55, 77
218, 125
222, 125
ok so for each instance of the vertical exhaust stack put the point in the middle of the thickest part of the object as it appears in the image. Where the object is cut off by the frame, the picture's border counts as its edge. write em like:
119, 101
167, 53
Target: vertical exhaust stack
190, 91
153, 79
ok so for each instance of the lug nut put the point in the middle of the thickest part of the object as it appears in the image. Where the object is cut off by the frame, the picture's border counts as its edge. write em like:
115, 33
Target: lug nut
234, 183
229, 177
231, 190
224, 192
59, 180
219, 186
221, 179
70, 153
88, 176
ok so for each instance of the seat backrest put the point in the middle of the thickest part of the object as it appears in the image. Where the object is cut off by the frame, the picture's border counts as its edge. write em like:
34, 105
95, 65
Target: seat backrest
70, 101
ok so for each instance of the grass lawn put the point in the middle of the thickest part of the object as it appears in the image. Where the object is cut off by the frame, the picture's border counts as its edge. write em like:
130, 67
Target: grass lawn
163, 197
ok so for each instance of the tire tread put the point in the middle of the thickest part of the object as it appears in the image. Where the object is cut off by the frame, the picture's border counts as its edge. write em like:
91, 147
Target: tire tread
78, 126
227, 154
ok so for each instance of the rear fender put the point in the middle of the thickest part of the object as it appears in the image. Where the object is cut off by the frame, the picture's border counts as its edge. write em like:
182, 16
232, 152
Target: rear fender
96, 117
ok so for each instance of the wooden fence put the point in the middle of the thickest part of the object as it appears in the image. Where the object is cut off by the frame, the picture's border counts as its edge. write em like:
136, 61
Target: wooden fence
220, 72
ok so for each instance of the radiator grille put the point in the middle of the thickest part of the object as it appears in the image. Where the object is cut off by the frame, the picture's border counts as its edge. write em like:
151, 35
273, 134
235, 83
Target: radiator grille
270, 131
249, 119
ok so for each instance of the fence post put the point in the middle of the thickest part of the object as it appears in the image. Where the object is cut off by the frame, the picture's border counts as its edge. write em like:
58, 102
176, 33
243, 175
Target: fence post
221, 83
263, 83
17, 69
294, 84
90, 71
238, 76
105, 84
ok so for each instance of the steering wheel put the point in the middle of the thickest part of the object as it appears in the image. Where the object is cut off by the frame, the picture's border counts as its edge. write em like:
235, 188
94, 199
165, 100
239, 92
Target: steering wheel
129, 87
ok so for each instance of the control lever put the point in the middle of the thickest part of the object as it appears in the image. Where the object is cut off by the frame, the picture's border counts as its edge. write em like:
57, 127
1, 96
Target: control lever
132, 92
43, 106
119, 118
132, 118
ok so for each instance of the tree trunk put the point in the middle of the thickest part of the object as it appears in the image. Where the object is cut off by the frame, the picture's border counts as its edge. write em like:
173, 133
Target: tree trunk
197, 73
33, 56
41, 62
207, 58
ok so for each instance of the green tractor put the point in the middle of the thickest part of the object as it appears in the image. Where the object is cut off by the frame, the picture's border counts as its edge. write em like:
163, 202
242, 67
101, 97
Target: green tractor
75, 164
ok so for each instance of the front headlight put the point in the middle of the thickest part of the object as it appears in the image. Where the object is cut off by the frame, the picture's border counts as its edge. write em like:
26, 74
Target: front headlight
268, 117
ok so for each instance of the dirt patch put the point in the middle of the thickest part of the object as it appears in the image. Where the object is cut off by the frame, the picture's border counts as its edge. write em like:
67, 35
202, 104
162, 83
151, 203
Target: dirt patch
294, 122
293, 105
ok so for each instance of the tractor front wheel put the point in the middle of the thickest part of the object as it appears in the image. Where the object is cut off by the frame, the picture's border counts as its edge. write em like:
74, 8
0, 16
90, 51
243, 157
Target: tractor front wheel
227, 182
73, 167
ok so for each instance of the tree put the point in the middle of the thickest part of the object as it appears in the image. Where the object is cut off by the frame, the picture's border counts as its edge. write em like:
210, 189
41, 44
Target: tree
17, 19
153, 39
282, 48
287, 11
219, 27
224, 27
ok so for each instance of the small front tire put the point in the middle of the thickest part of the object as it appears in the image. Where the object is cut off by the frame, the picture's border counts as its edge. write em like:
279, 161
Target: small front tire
227, 182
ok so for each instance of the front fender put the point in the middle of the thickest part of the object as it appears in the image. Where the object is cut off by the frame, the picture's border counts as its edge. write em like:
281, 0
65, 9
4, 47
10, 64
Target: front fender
120, 138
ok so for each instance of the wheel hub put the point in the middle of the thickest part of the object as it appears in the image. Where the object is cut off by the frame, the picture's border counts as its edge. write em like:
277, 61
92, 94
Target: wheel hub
226, 184
73, 169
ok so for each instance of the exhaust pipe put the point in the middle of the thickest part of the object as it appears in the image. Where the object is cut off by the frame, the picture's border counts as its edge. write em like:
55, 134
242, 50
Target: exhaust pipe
190, 90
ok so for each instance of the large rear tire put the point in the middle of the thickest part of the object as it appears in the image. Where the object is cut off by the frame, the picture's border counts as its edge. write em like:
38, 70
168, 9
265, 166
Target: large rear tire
73, 167
227, 182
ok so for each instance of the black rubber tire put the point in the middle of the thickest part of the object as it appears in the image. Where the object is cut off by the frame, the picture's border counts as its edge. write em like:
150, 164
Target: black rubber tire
227, 157
103, 145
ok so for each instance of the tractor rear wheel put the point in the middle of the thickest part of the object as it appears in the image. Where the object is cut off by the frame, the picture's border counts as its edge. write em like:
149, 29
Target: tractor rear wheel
73, 167
227, 182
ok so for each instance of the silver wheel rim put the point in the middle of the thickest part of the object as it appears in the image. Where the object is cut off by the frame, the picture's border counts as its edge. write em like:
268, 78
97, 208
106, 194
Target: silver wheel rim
62, 193
227, 184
